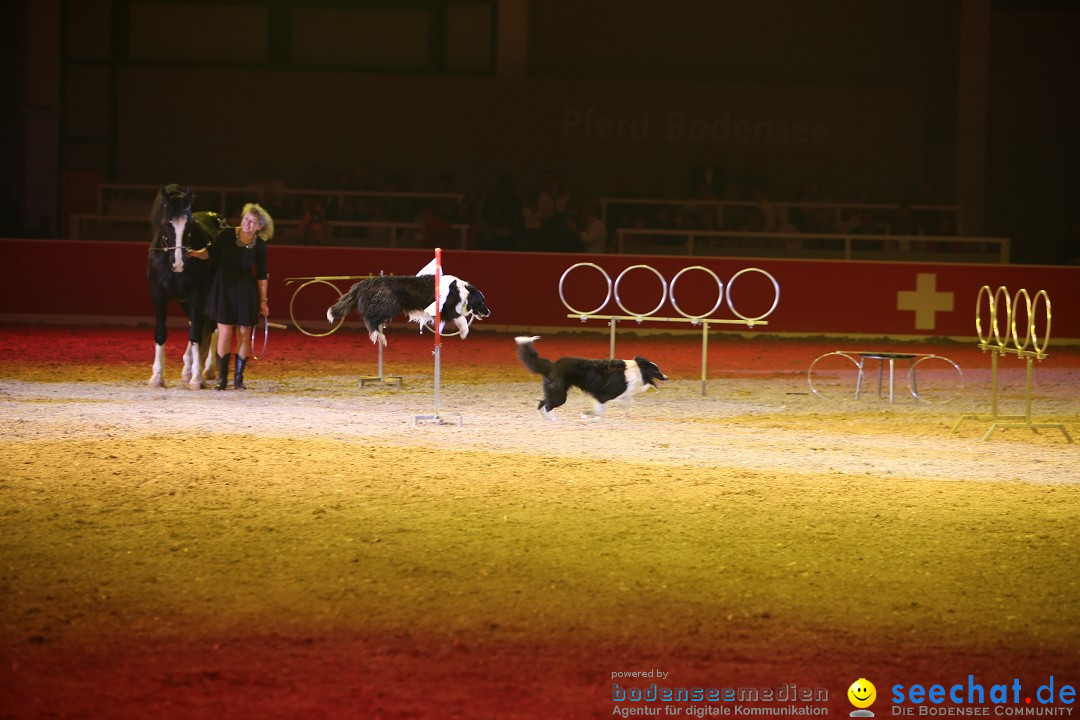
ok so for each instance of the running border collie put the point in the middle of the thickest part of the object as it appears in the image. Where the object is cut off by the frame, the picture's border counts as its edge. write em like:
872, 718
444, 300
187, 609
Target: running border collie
379, 299
605, 380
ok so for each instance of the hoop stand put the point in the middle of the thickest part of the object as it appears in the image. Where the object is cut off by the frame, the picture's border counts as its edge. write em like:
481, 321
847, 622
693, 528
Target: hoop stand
437, 352
1001, 346
613, 321
329, 280
994, 418
668, 294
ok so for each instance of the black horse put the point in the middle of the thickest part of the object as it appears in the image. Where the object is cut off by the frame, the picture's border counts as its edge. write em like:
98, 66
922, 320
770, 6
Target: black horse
173, 275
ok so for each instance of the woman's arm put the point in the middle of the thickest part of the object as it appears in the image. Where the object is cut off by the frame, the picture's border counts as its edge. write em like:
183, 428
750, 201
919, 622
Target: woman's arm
261, 276
264, 306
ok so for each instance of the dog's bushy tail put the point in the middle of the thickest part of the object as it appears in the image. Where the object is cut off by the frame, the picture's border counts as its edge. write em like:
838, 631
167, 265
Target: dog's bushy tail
345, 304
530, 358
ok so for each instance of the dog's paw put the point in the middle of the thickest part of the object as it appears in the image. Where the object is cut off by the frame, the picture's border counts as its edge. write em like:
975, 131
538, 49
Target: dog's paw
548, 414
525, 339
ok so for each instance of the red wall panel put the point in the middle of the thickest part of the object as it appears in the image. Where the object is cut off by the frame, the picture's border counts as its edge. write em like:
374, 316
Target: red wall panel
61, 280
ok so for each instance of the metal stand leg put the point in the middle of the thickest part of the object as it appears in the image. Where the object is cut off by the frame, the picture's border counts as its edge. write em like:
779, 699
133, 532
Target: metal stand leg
996, 419
891, 378
380, 378
1027, 423
704, 355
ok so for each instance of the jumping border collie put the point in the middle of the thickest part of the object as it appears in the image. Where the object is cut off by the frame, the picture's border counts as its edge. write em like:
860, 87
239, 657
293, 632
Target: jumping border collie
604, 380
379, 299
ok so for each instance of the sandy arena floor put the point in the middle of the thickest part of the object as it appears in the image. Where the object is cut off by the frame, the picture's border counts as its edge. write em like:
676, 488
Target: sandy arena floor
301, 550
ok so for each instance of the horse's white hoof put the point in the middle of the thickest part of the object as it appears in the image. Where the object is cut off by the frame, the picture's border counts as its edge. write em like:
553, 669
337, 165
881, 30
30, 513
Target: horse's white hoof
156, 381
196, 384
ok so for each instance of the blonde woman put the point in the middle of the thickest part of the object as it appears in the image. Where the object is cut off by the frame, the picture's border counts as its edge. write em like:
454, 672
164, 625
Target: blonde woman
238, 289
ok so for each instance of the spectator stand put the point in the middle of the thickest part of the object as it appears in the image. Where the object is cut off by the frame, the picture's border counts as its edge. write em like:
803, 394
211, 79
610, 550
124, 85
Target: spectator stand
737, 208
816, 245
122, 211
674, 226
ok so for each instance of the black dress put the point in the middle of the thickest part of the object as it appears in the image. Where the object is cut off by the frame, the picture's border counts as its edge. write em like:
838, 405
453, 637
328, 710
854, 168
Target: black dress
234, 293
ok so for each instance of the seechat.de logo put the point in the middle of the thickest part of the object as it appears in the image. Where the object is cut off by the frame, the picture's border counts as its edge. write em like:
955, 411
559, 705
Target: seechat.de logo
862, 694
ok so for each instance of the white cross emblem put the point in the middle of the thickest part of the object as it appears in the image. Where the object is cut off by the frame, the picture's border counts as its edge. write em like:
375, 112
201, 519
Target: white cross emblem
925, 300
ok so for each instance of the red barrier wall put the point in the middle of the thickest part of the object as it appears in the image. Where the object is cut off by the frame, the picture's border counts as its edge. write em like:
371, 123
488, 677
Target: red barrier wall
64, 281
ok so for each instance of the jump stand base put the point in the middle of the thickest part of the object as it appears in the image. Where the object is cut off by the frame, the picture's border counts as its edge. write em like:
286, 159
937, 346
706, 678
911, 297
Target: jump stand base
385, 380
442, 419
996, 423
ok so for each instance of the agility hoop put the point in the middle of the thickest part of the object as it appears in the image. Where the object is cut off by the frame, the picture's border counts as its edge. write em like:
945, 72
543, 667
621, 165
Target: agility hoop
667, 294
999, 342
437, 416
858, 359
330, 280
266, 337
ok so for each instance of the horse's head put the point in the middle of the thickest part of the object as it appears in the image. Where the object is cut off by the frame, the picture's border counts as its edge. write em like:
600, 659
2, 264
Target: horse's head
172, 203
170, 214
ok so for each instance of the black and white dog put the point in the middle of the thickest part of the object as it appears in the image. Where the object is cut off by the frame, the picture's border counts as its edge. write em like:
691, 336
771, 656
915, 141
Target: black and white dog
604, 380
379, 299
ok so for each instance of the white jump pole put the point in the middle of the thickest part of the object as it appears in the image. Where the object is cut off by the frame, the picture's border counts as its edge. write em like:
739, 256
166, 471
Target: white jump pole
437, 352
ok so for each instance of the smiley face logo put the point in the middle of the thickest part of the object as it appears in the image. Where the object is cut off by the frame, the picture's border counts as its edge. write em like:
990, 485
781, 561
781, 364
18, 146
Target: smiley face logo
862, 693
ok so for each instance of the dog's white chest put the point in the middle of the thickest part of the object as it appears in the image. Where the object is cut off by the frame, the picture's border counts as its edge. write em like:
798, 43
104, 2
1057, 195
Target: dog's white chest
634, 382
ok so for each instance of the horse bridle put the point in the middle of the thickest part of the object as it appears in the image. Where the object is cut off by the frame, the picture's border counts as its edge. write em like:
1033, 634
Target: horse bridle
160, 246
171, 248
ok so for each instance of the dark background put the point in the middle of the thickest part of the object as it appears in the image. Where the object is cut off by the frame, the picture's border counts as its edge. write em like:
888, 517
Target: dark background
988, 92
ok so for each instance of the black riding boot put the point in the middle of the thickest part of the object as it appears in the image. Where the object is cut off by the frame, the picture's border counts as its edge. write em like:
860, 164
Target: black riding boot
238, 381
223, 371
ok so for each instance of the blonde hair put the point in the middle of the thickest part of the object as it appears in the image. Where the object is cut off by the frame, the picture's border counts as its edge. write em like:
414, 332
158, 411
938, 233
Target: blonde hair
267, 230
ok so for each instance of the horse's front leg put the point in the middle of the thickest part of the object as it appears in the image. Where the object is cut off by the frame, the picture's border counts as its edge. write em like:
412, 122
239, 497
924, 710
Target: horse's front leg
160, 331
207, 351
193, 368
156, 377
185, 374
